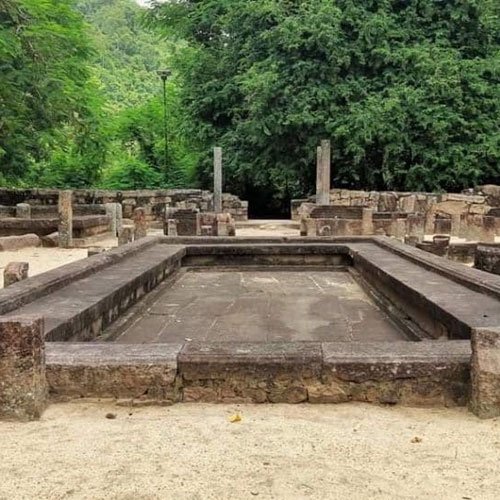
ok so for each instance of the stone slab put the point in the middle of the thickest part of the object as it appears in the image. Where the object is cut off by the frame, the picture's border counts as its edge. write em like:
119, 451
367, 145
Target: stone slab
112, 370
261, 306
485, 372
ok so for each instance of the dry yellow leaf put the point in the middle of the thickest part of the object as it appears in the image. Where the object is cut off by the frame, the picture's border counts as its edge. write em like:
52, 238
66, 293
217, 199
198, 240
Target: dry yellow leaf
235, 418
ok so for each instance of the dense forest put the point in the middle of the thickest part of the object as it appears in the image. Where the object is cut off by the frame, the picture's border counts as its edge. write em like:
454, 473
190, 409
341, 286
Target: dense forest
408, 91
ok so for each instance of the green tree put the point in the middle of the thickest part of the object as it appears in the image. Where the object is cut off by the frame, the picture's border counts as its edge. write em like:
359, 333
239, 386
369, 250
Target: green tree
408, 91
49, 104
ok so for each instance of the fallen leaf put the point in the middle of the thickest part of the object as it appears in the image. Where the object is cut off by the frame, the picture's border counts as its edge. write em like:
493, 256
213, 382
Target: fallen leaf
416, 439
235, 418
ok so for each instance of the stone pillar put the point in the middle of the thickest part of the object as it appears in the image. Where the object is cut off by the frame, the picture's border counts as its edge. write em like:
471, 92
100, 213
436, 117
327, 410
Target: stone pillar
217, 180
119, 218
65, 209
456, 224
23, 211
23, 386
416, 226
140, 223
125, 236
318, 173
15, 272
485, 372
111, 212
171, 227
367, 221
323, 196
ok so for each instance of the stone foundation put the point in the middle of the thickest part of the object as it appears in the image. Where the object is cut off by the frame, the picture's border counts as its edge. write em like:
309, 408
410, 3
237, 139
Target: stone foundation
23, 386
485, 372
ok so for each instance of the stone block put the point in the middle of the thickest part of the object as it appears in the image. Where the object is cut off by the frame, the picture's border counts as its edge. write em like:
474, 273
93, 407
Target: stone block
111, 212
17, 242
15, 272
140, 223
485, 372
65, 211
23, 211
487, 258
23, 385
126, 235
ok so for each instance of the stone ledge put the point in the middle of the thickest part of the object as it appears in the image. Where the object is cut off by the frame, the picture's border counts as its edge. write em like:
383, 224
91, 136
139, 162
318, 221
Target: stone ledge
217, 360
472, 278
112, 370
38, 286
410, 373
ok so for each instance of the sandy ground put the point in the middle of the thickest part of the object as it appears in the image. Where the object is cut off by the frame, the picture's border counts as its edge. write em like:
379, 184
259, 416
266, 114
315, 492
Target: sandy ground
41, 259
276, 451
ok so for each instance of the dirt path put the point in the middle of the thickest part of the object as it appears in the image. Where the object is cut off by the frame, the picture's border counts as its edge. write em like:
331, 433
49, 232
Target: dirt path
277, 451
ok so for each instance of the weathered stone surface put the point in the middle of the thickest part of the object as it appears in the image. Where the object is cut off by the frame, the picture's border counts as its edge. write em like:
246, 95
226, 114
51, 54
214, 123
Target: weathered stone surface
50, 240
23, 211
113, 370
323, 195
411, 373
119, 218
251, 372
217, 180
111, 212
65, 210
15, 272
126, 235
485, 372
23, 386
140, 223
17, 242
487, 258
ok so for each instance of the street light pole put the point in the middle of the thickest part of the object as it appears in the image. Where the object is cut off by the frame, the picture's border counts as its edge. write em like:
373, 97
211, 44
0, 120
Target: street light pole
164, 74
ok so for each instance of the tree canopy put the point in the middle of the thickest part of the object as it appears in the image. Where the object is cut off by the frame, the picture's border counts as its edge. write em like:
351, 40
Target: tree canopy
408, 91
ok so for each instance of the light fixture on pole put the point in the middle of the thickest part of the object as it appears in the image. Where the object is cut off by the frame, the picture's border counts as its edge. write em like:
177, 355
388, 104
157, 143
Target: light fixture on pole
164, 74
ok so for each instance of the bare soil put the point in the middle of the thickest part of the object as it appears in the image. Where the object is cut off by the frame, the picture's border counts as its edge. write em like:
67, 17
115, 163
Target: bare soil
276, 451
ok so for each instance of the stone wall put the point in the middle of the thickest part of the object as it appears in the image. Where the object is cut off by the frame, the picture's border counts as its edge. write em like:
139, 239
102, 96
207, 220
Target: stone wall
473, 215
154, 201
476, 202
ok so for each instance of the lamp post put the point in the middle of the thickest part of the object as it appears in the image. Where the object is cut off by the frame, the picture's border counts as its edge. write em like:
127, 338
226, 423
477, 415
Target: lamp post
164, 74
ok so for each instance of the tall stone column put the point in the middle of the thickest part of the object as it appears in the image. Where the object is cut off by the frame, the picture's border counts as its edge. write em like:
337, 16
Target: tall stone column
119, 218
23, 386
65, 209
112, 214
318, 174
323, 196
140, 223
217, 180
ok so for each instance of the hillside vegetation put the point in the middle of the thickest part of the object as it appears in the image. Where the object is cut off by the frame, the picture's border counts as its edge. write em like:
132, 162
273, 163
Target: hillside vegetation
407, 91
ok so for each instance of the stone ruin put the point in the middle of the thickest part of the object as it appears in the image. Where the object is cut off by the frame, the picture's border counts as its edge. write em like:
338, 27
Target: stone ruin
472, 216
417, 330
80, 218
191, 222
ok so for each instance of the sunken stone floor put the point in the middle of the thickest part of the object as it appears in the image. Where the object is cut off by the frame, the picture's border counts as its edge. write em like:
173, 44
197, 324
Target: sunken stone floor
256, 306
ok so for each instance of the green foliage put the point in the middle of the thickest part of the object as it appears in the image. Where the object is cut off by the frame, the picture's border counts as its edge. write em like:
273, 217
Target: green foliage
128, 54
128, 172
48, 101
408, 91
